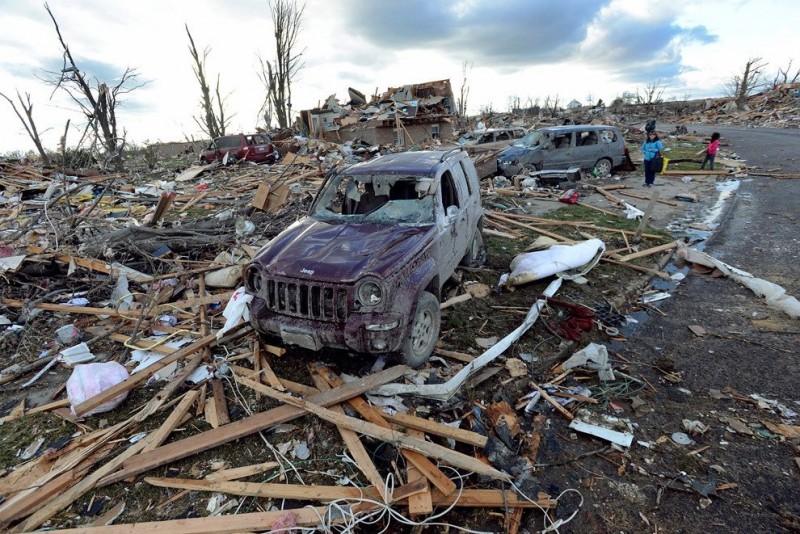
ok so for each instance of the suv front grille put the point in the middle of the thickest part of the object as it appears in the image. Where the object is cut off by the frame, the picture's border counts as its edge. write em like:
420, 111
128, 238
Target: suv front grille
322, 302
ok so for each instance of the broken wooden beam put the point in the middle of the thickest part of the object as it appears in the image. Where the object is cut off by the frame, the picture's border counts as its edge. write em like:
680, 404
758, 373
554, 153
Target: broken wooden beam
488, 498
398, 439
174, 419
221, 524
356, 448
375, 416
250, 425
642, 197
438, 429
648, 252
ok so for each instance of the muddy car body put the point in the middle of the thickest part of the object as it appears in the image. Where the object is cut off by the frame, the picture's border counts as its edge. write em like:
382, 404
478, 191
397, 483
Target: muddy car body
595, 148
250, 147
364, 269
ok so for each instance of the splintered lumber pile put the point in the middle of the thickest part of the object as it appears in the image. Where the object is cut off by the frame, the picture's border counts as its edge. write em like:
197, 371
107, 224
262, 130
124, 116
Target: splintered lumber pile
50, 484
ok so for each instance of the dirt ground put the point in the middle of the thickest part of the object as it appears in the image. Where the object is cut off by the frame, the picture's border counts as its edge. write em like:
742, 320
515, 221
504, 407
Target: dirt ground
653, 486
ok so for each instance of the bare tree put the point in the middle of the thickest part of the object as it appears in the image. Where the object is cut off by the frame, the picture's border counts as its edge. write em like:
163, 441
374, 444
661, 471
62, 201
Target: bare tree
514, 103
277, 75
463, 94
212, 122
740, 86
652, 94
98, 104
783, 75
551, 105
29, 125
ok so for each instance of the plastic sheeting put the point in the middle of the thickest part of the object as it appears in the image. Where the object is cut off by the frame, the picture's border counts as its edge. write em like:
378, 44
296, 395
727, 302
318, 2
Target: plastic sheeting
558, 259
774, 294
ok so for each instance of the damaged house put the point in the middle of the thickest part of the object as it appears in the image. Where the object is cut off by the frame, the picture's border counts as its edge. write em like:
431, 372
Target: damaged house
400, 116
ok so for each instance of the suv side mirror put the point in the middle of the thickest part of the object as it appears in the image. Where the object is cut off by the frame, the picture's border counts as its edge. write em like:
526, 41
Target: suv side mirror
452, 214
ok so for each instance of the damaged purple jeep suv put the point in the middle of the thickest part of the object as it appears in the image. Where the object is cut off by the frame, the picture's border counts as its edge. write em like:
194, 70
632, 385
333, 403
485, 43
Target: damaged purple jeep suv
365, 269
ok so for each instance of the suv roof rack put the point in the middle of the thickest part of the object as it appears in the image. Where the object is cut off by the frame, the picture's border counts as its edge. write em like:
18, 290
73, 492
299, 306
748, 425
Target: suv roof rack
450, 152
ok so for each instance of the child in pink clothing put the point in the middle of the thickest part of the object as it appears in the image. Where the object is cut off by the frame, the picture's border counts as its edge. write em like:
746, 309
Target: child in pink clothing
711, 151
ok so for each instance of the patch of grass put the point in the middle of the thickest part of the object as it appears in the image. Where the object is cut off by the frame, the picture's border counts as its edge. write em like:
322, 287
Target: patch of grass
680, 151
18, 434
500, 251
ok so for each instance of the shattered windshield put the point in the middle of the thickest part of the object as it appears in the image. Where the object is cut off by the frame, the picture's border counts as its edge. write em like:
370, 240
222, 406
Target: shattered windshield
380, 199
466, 138
532, 139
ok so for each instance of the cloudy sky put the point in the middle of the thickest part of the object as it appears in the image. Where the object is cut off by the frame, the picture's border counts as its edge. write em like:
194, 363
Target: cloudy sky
573, 49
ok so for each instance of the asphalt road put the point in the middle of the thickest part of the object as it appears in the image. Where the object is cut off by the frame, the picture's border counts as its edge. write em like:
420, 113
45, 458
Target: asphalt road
751, 348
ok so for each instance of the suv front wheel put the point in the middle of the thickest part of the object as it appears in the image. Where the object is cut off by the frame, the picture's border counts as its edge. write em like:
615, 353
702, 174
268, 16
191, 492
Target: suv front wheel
423, 331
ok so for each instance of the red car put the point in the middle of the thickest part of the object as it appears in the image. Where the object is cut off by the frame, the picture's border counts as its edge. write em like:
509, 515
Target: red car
250, 147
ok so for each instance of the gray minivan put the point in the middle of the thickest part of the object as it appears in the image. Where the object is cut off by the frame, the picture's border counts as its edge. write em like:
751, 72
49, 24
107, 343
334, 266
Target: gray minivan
597, 148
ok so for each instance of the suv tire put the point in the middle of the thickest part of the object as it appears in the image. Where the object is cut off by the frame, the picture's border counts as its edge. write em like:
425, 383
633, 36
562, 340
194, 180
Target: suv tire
602, 167
476, 253
423, 331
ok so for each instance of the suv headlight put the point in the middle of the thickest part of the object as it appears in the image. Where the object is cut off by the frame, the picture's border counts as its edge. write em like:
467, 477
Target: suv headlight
369, 292
253, 279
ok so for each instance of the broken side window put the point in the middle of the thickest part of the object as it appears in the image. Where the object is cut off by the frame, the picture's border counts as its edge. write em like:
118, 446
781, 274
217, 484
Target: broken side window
449, 191
562, 141
608, 136
465, 174
533, 139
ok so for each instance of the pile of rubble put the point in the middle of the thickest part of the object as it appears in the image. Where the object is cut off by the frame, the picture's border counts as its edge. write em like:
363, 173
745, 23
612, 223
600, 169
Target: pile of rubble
121, 302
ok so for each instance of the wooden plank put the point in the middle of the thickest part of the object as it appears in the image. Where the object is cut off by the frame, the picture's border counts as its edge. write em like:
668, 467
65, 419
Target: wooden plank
648, 212
222, 524
609, 196
96, 265
660, 274
470, 498
514, 521
220, 404
145, 373
174, 419
398, 439
272, 379
489, 498
109, 517
242, 472
460, 356
210, 415
438, 429
642, 197
250, 425
16, 414
554, 403
201, 401
87, 483
648, 252
30, 501
697, 172
163, 205
375, 416
356, 448
257, 363
160, 398
419, 503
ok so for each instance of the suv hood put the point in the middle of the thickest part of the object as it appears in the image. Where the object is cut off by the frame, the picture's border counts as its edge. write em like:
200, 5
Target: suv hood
311, 249
512, 152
